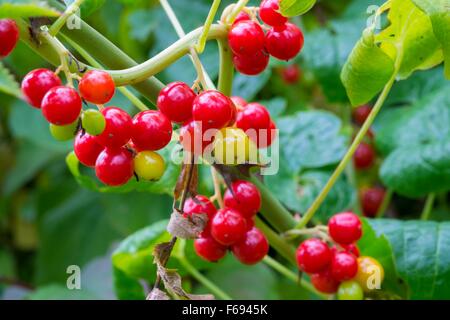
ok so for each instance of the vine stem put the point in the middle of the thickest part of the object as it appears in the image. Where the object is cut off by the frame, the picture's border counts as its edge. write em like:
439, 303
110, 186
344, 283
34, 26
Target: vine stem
200, 47
288, 274
59, 23
217, 192
236, 9
226, 69
384, 205
428, 207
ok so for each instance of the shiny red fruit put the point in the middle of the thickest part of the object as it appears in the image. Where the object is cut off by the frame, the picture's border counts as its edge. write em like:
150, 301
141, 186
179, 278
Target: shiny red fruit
364, 156
209, 249
200, 205
244, 197
343, 266
313, 255
284, 42
269, 13
37, 83
265, 138
253, 64
241, 17
97, 87
361, 113
239, 102
228, 226
246, 38
118, 128
151, 130
61, 105
345, 227
371, 200
212, 109
252, 248
324, 282
254, 116
114, 166
351, 248
175, 101
193, 137
87, 149
291, 74
9, 36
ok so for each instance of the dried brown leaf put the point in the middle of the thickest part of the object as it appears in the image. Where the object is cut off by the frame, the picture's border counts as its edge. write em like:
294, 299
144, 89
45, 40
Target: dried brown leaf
188, 227
157, 294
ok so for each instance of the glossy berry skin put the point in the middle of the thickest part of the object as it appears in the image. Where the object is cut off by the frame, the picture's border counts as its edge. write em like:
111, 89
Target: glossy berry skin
64, 133
241, 17
9, 35
200, 205
268, 12
148, 165
251, 65
345, 228
246, 38
61, 105
324, 282
228, 226
175, 102
97, 87
350, 290
243, 196
252, 248
343, 266
361, 113
151, 130
212, 109
370, 272
37, 83
371, 200
351, 248
253, 116
93, 122
364, 156
265, 139
239, 103
209, 249
291, 74
193, 137
233, 147
114, 166
118, 128
313, 255
87, 149
284, 42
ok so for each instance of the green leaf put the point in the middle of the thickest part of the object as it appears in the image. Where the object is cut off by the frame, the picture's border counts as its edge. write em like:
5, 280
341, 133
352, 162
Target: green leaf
127, 288
25, 9
311, 139
292, 8
248, 86
88, 6
421, 252
366, 71
378, 247
8, 84
59, 292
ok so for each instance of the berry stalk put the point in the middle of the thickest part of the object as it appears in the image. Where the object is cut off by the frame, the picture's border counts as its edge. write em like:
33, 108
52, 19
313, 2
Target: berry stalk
61, 21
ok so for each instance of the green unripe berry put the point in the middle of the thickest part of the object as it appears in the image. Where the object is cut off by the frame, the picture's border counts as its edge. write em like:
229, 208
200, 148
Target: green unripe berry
64, 133
93, 122
350, 290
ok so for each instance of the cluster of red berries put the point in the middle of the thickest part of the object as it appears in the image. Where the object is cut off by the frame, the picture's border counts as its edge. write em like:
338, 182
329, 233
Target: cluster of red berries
9, 35
251, 46
339, 268
109, 140
231, 227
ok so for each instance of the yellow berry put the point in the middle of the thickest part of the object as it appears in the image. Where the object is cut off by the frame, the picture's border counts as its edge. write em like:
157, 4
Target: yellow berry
232, 147
370, 273
149, 165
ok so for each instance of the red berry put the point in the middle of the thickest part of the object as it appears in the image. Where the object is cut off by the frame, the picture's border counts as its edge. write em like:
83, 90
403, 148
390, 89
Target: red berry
250, 222
291, 74
87, 149
61, 105
151, 130
9, 35
118, 128
324, 282
246, 38
97, 87
114, 166
361, 113
251, 65
193, 137
198, 205
284, 42
253, 116
244, 197
228, 226
234, 114
313, 255
209, 249
239, 102
371, 200
241, 17
265, 138
343, 266
175, 101
37, 83
252, 248
269, 13
351, 248
213, 109
364, 156
345, 227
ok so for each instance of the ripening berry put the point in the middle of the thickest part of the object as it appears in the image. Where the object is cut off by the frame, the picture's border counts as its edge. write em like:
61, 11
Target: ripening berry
371, 200
246, 38
364, 156
243, 196
9, 36
313, 255
175, 101
61, 105
93, 122
361, 113
251, 65
350, 290
269, 13
284, 42
149, 165
151, 130
118, 127
212, 109
114, 166
370, 273
64, 133
37, 83
97, 87
343, 266
228, 226
209, 249
233, 147
324, 282
252, 248
87, 149
345, 227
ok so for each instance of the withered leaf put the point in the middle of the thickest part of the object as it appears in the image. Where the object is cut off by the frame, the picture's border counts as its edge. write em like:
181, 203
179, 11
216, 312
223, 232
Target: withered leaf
188, 227
187, 180
161, 253
157, 294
